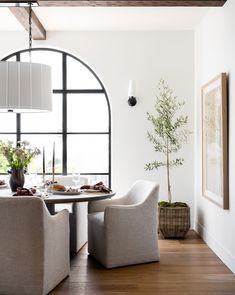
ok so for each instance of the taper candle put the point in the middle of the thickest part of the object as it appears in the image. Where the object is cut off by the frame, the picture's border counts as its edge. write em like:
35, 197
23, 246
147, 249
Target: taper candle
43, 161
53, 164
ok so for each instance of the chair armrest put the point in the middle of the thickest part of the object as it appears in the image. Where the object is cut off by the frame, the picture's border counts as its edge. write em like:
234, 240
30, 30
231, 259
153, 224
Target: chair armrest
117, 217
99, 206
122, 214
60, 217
57, 241
57, 226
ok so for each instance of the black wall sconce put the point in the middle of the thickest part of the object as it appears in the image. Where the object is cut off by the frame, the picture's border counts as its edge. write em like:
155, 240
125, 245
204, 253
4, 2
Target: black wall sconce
131, 94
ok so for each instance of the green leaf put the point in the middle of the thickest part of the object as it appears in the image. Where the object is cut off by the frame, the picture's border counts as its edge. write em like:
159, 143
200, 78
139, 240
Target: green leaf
154, 165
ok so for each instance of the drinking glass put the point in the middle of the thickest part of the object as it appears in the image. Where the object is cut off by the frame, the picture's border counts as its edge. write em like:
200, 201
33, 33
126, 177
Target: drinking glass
76, 178
32, 180
93, 179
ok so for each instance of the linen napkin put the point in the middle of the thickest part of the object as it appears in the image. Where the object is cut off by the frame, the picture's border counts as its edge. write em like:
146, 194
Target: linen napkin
98, 187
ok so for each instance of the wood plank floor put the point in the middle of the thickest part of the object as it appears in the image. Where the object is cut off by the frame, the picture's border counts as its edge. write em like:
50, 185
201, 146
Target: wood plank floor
187, 267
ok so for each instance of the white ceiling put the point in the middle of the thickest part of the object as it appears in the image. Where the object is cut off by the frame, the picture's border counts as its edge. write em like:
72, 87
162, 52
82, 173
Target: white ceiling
8, 22
109, 18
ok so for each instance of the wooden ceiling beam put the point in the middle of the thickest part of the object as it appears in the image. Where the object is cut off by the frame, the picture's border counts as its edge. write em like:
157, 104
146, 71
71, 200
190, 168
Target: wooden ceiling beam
22, 15
162, 3
146, 3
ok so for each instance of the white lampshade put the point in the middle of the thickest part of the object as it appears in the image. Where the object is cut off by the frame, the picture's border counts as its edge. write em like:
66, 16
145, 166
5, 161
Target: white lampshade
131, 89
25, 87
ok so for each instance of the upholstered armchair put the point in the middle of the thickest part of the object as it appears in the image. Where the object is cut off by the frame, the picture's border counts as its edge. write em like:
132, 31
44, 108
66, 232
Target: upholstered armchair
123, 231
34, 246
77, 216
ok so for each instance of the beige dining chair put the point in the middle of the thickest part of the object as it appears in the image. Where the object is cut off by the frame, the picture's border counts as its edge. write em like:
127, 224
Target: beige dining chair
123, 231
77, 215
34, 246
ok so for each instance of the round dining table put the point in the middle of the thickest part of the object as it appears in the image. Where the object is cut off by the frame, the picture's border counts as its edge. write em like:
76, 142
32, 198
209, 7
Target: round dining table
51, 199
60, 198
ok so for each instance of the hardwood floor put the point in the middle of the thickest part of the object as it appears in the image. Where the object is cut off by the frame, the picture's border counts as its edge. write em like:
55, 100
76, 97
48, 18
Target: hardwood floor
187, 267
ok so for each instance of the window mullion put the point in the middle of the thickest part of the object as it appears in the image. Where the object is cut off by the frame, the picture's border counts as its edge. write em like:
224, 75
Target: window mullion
64, 111
18, 116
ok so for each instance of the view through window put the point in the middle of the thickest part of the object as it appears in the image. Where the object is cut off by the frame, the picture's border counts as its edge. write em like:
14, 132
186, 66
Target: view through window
79, 123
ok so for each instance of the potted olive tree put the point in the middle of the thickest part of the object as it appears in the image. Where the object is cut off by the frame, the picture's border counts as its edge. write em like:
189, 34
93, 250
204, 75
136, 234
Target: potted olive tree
168, 136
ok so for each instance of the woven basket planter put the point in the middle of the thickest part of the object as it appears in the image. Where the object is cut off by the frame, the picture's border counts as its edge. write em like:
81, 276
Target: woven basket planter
174, 222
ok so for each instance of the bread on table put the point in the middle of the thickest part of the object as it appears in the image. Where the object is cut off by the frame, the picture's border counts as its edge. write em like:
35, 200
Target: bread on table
57, 187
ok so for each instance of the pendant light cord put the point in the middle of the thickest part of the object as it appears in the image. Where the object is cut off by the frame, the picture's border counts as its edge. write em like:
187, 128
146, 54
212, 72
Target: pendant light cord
30, 29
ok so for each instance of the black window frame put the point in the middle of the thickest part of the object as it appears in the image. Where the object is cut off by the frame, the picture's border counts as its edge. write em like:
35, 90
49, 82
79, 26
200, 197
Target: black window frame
64, 91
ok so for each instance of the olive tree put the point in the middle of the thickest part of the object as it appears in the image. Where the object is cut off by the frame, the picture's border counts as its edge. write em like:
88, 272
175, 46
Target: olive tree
169, 133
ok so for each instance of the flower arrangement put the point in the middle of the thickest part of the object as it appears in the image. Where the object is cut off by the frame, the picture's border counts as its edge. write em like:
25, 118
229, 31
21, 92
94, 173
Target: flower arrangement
18, 157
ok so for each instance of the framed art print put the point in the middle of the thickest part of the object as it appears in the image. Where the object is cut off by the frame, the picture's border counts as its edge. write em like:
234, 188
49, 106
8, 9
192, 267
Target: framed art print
215, 141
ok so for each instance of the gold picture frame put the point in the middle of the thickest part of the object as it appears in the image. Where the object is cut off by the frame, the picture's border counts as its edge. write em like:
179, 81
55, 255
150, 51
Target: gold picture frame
215, 141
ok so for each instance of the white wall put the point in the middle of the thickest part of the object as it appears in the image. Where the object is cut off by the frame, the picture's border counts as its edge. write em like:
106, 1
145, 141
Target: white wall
214, 53
145, 57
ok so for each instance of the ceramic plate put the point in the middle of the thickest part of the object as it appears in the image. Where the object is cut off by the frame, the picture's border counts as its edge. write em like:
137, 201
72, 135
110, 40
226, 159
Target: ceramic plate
90, 190
3, 186
72, 193
34, 195
37, 194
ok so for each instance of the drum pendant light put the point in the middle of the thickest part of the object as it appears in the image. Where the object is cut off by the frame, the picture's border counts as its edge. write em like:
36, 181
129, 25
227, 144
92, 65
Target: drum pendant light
25, 86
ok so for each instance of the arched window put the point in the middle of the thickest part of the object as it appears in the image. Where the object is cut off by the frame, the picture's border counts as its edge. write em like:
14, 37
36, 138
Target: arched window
80, 124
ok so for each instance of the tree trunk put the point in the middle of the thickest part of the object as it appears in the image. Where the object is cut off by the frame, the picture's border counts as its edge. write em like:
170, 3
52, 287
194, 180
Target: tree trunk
168, 175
